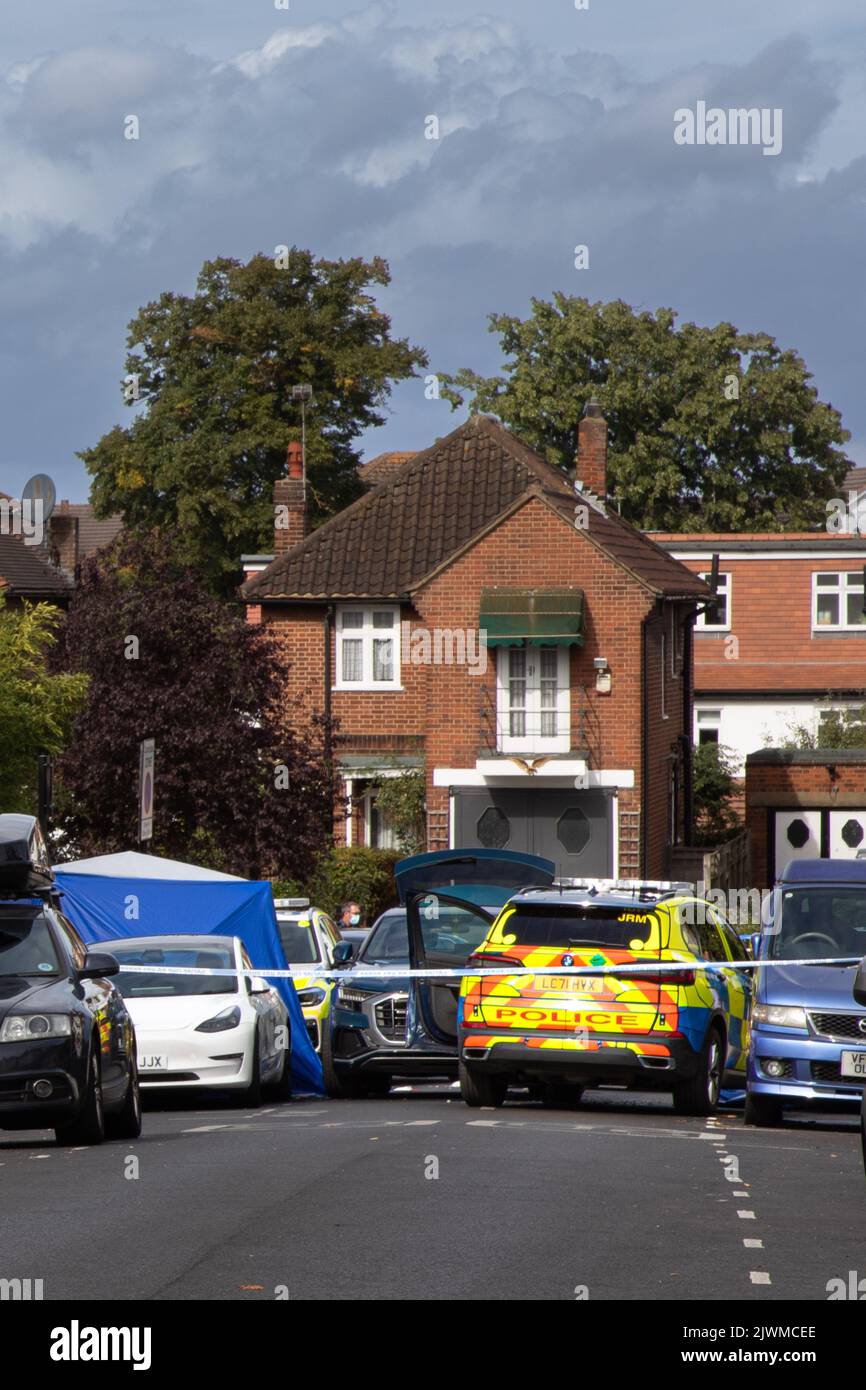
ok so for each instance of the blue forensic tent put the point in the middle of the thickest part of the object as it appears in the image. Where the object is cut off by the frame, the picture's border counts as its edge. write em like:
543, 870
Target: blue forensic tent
100, 896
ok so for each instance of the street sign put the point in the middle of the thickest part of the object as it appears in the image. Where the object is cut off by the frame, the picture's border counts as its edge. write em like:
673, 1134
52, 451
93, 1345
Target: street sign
145, 789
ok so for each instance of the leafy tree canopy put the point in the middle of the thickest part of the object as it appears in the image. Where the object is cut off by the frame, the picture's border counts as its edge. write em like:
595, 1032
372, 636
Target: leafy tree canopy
710, 429
214, 373
242, 783
36, 707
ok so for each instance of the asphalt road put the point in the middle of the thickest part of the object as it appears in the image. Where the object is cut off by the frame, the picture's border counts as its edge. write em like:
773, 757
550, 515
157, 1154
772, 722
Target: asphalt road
418, 1197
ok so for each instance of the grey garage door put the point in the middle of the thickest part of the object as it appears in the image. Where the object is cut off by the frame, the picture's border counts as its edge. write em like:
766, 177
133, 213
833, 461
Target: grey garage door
572, 828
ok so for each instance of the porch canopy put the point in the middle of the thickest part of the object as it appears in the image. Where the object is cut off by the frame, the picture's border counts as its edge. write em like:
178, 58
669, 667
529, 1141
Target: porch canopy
534, 617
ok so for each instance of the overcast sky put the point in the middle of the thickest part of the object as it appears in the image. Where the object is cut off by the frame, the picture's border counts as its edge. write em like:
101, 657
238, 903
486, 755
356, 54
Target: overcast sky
262, 126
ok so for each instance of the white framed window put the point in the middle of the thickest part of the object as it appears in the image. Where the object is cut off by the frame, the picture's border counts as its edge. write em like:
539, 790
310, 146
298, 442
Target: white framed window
709, 722
837, 601
533, 700
378, 831
368, 647
717, 618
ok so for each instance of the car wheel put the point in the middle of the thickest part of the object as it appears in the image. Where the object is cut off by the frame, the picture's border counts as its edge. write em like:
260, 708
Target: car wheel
763, 1111
282, 1089
126, 1123
700, 1094
89, 1125
559, 1095
253, 1093
479, 1089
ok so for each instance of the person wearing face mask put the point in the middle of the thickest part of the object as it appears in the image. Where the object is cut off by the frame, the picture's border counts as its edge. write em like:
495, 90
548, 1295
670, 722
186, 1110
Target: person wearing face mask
350, 916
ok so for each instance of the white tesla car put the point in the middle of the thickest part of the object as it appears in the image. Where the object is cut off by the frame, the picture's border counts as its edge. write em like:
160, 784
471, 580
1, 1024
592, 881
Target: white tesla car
219, 1031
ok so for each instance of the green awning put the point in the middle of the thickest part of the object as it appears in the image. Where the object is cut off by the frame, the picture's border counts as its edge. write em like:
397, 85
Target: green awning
537, 617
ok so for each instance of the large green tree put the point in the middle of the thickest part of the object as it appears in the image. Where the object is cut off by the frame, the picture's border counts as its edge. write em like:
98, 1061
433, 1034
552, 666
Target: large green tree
709, 428
213, 374
242, 782
36, 706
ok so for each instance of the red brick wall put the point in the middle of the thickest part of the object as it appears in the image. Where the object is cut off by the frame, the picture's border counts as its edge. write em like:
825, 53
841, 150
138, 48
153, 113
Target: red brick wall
771, 618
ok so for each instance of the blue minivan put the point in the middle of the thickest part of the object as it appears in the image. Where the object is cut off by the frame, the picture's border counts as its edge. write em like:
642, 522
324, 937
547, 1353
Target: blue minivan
808, 1036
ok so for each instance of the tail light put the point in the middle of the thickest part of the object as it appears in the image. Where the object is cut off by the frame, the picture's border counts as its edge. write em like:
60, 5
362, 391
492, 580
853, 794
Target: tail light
658, 977
483, 959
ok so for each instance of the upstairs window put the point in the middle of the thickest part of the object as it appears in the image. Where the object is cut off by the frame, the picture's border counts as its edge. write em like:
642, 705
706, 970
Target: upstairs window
533, 699
709, 723
368, 648
837, 602
717, 618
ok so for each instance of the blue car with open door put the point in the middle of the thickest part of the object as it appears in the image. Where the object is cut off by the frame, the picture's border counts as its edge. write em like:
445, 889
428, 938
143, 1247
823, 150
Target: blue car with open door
393, 1026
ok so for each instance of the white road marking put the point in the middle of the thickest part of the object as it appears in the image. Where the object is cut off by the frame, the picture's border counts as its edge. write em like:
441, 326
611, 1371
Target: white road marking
741, 1194
206, 1129
746, 1215
411, 1123
485, 1124
758, 1278
753, 1244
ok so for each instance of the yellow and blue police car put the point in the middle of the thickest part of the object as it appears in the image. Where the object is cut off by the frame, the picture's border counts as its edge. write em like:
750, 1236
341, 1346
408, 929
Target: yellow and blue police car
308, 937
683, 1029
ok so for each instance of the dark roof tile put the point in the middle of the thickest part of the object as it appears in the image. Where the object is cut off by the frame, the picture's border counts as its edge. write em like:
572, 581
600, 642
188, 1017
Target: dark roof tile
26, 575
392, 540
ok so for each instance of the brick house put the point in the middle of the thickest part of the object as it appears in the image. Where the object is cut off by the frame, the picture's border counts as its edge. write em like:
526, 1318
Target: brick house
567, 734
46, 572
787, 634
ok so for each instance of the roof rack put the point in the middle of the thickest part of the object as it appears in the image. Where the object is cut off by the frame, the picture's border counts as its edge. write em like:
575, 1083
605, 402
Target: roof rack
645, 889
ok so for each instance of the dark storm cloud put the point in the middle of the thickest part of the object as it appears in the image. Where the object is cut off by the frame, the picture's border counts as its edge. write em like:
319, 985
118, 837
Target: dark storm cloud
317, 137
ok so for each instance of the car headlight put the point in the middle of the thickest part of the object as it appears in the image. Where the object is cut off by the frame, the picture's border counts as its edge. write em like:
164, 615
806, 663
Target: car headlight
228, 1018
351, 998
781, 1015
309, 997
27, 1027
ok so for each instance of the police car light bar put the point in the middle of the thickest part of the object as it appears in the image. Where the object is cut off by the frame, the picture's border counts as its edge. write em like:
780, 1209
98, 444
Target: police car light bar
291, 902
644, 887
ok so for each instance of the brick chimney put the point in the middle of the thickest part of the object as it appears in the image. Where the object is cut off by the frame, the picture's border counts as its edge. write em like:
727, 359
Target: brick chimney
290, 507
62, 529
592, 450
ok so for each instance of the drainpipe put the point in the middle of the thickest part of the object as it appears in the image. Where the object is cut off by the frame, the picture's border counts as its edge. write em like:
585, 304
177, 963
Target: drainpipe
327, 625
644, 775
688, 788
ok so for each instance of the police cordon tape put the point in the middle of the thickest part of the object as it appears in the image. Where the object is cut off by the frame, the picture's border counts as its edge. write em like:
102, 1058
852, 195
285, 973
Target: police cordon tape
405, 972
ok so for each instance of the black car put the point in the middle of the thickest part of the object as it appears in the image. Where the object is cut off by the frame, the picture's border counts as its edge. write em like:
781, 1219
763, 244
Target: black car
67, 1044
389, 1026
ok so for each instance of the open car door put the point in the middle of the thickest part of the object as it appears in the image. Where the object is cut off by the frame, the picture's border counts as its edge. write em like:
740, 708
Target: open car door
451, 898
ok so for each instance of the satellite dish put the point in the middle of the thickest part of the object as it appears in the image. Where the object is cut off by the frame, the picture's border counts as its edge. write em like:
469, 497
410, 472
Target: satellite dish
40, 488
